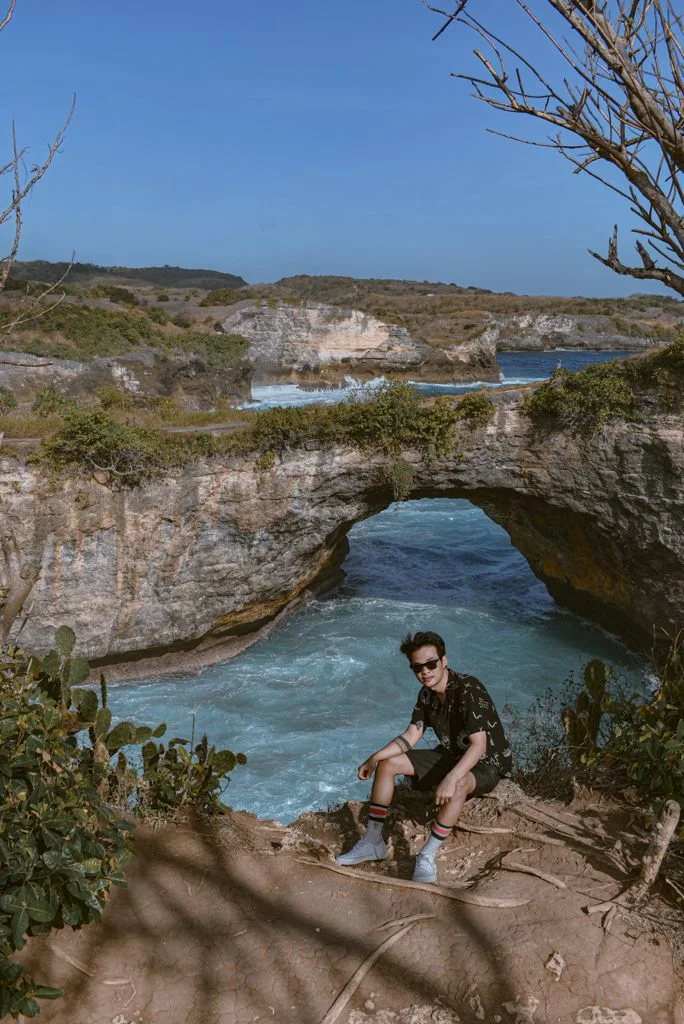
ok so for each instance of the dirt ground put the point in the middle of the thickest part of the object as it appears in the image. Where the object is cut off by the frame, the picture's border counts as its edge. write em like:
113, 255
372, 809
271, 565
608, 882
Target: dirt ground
242, 921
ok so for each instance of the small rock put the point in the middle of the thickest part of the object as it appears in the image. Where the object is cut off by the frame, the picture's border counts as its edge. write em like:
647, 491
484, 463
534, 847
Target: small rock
476, 1006
604, 1015
369, 1005
523, 1010
555, 964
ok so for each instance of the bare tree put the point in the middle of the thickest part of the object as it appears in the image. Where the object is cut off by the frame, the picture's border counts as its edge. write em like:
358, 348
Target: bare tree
19, 575
23, 181
616, 111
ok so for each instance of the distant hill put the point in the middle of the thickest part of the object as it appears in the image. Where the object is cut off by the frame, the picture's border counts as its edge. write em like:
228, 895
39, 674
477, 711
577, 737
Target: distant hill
439, 312
90, 273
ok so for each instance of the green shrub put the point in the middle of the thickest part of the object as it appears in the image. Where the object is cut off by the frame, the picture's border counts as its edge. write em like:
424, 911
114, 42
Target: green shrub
477, 410
181, 320
157, 315
7, 401
401, 477
222, 297
607, 737
163, 297
62, 845
393, 418
90, 440
645, 747
50, 400
111, 396
124, 296
586, 400
217, 350
89, 332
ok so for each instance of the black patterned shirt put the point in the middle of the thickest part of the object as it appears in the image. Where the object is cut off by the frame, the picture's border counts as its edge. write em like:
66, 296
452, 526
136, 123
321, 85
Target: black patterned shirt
467, 709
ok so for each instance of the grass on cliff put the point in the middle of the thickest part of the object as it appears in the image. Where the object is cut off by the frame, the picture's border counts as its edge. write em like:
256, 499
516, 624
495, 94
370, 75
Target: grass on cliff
110, 445
584, 401
73, 331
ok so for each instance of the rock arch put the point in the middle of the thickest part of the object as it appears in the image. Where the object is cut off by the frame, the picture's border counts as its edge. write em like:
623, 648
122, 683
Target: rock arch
193, 567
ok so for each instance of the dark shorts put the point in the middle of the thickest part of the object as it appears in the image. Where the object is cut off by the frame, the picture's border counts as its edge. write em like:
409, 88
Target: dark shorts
431, 766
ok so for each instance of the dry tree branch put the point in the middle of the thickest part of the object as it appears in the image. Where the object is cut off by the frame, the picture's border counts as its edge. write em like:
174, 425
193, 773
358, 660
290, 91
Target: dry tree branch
621, 96
22, 190
8, 16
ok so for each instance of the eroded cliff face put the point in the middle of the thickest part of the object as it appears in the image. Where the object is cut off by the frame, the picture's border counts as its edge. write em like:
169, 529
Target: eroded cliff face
536, 332
191, 568
187, 379
314, 342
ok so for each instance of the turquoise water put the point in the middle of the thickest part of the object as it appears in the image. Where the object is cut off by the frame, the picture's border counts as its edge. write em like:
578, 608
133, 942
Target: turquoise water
310, 701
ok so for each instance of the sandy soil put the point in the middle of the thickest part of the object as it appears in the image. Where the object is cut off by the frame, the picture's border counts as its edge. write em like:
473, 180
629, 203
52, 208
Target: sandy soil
241, 921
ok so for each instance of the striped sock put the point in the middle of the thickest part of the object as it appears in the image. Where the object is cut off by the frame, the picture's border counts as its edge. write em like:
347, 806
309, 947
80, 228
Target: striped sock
439, 831
437, 836
377, 814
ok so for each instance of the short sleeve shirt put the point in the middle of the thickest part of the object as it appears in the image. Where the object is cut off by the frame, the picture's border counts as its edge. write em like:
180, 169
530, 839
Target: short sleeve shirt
467, 708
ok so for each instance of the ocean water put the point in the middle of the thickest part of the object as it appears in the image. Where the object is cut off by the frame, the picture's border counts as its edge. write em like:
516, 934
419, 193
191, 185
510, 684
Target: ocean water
516, 368
310, 701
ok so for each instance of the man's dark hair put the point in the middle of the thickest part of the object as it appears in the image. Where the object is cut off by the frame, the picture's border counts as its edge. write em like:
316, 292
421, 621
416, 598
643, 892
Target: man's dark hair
411, 643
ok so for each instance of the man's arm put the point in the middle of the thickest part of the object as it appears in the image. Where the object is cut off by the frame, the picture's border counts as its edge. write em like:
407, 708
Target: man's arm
399, 745
477, 748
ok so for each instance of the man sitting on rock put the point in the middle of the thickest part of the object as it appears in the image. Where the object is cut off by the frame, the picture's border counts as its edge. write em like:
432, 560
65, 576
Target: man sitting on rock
472, 756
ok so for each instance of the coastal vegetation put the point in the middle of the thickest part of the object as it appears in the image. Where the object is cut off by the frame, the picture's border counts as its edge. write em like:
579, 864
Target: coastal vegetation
69, 799
124, 454
601, 734
584, 401
76, 331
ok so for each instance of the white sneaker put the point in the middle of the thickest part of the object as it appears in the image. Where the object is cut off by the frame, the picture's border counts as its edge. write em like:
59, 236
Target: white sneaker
365, 849
425, 869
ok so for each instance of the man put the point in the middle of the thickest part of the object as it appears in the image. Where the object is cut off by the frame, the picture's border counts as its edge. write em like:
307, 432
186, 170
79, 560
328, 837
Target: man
472, 756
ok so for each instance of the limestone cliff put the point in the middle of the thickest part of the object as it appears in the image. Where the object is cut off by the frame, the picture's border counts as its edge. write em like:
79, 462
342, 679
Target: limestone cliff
199, 562
539, 331
185, 378
312, 341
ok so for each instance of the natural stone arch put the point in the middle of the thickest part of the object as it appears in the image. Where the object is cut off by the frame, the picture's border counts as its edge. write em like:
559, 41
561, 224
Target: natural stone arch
195, 566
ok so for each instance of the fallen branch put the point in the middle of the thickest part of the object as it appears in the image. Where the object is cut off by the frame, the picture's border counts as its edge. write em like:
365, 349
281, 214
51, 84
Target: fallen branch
675, 887
404, 920
512, 865
482, 831
70, 960
568, 833
437, 890
570, 821
359, 974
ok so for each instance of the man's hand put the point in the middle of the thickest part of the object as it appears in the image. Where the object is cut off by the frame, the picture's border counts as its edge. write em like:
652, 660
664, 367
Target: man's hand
366, 769
445, 791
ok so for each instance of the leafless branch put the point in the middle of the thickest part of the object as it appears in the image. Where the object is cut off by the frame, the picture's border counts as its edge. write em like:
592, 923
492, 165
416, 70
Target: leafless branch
617, 109
32, 305
8, 16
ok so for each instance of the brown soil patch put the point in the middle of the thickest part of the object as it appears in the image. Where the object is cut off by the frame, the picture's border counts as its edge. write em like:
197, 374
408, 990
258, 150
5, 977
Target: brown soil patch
225, 924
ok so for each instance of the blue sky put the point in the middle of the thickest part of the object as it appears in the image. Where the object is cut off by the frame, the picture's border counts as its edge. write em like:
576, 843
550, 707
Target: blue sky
268, 139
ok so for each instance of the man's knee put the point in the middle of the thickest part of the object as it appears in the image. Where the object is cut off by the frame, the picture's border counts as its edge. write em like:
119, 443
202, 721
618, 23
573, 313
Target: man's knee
464, 787
393, 765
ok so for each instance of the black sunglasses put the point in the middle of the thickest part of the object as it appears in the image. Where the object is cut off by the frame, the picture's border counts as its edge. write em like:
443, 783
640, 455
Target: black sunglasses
418, 666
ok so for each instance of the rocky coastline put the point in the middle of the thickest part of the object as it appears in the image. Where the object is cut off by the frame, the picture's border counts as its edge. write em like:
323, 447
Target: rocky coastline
313, 342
